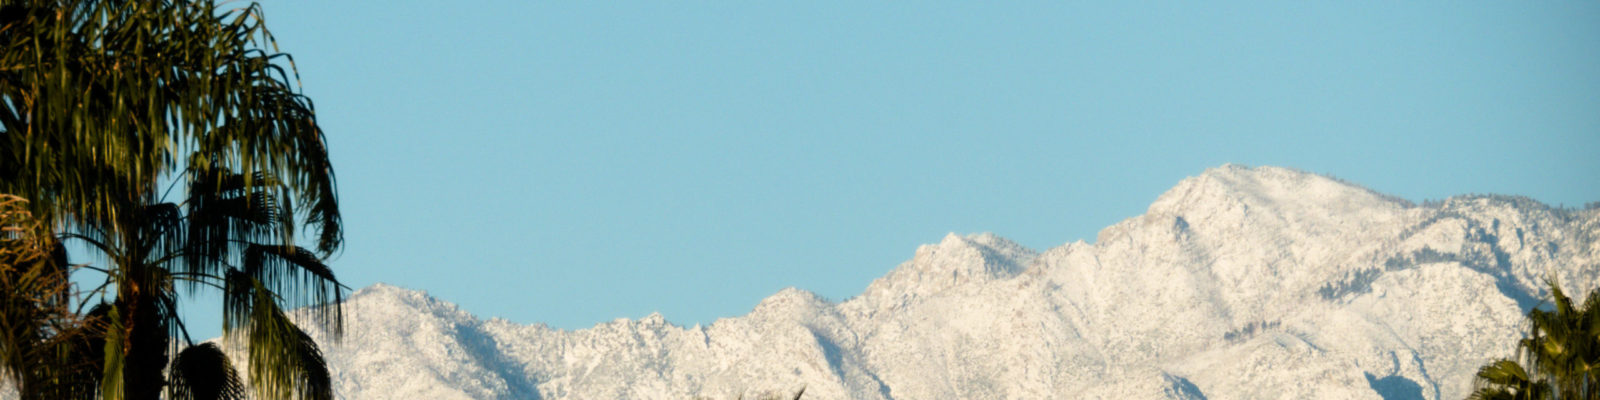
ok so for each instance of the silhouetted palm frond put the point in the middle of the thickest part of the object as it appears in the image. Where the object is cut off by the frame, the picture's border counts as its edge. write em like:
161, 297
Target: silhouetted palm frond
203, 372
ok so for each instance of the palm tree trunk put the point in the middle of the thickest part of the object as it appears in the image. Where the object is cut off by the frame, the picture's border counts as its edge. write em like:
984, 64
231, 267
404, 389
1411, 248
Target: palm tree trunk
143, 375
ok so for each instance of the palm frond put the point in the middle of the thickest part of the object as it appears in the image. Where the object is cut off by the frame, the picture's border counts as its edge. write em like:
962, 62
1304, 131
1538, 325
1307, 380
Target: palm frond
104, 96
159, 230
1491, 393
299, 276
284, 361
203, 372
1507, 379
1560, 352
1563, 304
222, 212
1503, 372
43, 344
116, 346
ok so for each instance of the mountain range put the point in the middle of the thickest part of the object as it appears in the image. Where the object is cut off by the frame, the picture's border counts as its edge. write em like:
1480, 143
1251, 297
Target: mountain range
1238, 283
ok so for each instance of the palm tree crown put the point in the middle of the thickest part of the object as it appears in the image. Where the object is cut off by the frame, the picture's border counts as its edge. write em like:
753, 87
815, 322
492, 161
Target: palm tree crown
106, 106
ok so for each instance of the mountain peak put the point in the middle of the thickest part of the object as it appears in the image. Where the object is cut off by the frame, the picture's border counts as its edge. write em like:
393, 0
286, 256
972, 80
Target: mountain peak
1241, 282
1254, 183
1237, 195
388, 297
387, 291
982, 256
791, 301
955, 260
381, 287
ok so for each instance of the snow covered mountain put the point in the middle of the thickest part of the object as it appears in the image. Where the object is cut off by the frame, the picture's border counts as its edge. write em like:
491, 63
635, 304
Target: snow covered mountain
1239, 283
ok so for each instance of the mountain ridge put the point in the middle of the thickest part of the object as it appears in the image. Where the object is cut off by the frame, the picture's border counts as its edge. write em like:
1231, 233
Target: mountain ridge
1240, 282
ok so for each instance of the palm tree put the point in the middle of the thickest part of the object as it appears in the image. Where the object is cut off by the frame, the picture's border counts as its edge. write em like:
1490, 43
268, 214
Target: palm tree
102, 103
230, 237
225, 237
1561, 354
1564, 343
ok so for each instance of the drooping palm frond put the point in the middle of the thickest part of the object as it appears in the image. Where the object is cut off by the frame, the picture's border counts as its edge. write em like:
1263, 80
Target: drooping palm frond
270, 127
116, 349
158, 230
300, 277
99, 100
203, 372
224, 211
284, 361
86, 114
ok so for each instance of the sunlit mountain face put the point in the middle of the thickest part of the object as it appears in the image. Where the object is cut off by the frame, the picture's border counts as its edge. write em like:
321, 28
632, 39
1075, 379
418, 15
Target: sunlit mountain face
1237, 283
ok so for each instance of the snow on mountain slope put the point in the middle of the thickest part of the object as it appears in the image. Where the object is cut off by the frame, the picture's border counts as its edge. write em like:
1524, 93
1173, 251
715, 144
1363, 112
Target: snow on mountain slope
1238, 283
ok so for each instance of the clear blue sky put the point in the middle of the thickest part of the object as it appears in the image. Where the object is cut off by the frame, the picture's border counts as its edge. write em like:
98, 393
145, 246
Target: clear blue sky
575, 162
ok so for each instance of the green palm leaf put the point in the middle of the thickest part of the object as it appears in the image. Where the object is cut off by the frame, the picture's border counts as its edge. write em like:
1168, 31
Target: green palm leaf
284, 361
298, 271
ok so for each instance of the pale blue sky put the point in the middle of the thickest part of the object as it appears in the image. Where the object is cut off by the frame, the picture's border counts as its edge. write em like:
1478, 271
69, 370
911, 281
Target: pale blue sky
576, 162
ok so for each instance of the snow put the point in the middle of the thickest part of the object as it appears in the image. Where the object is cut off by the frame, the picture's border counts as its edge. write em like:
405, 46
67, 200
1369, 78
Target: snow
1238, 283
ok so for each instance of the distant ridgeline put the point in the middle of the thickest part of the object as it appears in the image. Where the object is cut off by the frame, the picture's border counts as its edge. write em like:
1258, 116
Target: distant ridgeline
1237, 283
